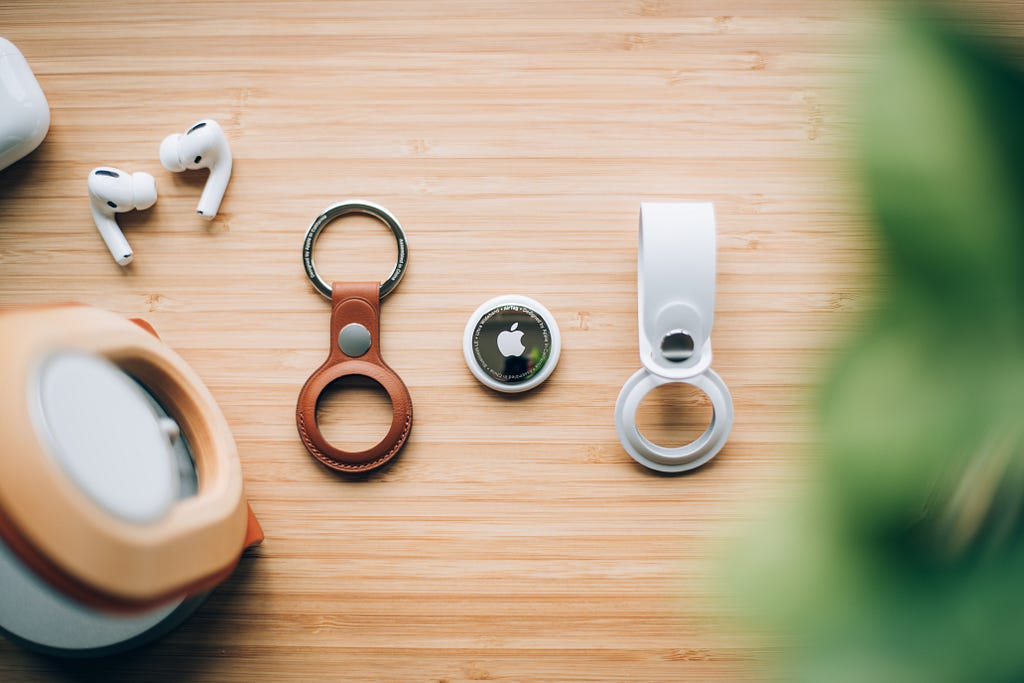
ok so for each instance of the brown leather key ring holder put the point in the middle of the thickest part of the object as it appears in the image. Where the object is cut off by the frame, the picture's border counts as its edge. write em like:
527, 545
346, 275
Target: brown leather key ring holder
354, 350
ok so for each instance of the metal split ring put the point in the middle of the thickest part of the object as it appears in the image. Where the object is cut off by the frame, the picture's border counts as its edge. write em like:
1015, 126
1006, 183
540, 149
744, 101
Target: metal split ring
343, 209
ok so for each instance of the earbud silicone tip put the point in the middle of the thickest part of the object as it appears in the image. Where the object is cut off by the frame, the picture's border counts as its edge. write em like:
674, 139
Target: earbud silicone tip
169, 153
143, 190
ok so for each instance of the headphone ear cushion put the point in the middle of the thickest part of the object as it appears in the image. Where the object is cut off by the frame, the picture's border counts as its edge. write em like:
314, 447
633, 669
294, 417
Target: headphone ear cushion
170, 156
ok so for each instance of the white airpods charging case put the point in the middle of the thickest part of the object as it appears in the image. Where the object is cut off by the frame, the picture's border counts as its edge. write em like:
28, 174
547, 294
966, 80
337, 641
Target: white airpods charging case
24, 112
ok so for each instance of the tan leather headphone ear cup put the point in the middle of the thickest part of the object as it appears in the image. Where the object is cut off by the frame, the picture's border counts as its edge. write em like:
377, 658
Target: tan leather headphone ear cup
98, 558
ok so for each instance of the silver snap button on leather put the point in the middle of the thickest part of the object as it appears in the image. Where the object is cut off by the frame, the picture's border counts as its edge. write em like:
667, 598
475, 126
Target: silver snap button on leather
354, 340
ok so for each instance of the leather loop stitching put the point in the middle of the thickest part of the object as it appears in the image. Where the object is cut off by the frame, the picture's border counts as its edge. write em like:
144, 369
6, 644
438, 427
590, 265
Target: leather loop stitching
349, 467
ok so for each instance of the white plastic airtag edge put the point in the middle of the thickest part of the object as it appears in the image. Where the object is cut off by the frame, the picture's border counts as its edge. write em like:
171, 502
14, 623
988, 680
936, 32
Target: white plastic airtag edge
514, 300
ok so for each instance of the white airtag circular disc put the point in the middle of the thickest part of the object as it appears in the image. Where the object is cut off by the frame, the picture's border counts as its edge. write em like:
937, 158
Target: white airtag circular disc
102, 430
511, 343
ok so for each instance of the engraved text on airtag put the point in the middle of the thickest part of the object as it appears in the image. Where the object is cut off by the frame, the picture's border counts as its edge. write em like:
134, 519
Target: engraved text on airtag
511, 343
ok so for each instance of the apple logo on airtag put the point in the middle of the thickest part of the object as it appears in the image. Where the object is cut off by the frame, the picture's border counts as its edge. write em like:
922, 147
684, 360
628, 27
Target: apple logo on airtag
510, 342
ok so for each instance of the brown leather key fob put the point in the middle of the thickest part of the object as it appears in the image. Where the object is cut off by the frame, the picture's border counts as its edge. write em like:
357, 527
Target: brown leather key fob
354, 350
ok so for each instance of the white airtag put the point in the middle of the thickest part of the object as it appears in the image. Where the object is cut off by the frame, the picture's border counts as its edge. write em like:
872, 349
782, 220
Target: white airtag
103, 431
511, 343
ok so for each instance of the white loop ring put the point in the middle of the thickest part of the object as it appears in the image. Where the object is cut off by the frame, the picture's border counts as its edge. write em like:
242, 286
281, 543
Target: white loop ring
683, 458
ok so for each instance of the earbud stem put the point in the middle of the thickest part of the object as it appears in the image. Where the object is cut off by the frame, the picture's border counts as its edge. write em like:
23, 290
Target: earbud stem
216, 186
113, 237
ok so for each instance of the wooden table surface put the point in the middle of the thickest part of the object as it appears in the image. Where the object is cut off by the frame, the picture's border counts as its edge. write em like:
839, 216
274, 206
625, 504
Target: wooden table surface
513, 539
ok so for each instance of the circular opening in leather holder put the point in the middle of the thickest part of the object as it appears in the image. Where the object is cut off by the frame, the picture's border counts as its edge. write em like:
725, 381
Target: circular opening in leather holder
354, 412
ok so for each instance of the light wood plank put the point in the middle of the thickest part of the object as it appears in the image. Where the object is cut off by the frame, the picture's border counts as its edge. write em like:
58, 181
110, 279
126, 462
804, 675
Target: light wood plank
514, 539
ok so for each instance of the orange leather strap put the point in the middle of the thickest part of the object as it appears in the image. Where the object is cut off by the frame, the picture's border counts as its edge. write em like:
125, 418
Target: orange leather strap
357, 303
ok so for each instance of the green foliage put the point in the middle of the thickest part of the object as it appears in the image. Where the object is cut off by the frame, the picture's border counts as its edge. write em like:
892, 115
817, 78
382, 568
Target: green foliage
904, 560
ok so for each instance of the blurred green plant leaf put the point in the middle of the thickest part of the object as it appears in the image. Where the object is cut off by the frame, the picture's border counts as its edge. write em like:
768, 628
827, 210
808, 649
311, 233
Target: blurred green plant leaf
904, 561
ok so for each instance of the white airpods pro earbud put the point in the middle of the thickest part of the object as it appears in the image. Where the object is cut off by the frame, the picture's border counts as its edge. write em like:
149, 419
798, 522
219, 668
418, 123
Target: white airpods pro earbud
112, 191
204, 145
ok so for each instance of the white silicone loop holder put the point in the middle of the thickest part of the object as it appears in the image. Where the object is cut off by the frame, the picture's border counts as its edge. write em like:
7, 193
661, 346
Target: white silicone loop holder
676, 291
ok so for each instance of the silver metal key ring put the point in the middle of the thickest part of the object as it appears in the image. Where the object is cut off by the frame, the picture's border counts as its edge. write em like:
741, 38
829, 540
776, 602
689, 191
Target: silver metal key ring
337, 211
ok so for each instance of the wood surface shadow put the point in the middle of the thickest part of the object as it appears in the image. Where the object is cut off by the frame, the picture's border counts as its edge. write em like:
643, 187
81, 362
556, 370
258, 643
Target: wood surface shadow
28, 171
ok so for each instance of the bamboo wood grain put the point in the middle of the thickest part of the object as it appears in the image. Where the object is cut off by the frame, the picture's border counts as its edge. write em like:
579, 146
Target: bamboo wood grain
513, 539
